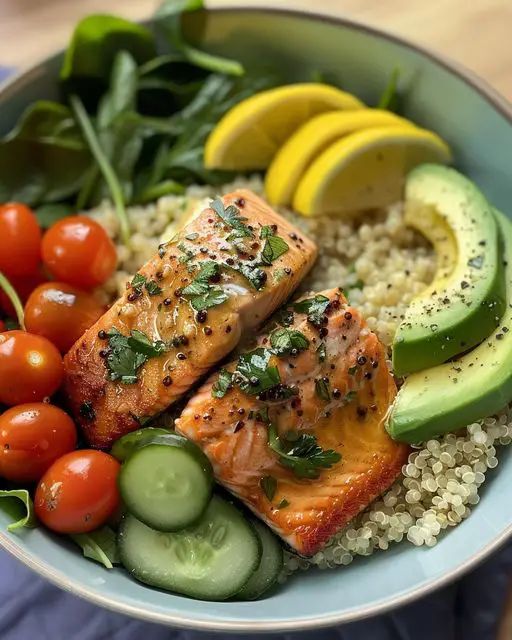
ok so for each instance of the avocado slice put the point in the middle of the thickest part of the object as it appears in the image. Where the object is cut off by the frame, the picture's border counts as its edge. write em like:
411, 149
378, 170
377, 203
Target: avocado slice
467, 297
453, 395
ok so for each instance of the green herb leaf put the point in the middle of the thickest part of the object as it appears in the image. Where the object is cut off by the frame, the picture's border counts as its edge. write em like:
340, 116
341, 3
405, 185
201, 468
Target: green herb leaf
267, 231
269, 486
152, 288
283, 503
389, 99
127, 354
304, 457
231, 216
284, 341
350, 396
138, 281
254, 373
252, 272
87, 412
211, 298
273, 249
352, 370
99, 545
203, 295
48, 214
321, 352
283, 316
322, 389
314, 308
188, 254
18, 505
223, 384
192, 236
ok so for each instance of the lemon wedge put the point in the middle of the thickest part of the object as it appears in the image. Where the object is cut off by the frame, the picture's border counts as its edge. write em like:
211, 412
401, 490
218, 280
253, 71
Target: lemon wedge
251, 133
366, 169
302, 148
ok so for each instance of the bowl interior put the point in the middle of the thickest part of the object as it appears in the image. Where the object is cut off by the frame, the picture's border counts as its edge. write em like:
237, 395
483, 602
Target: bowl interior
480, 132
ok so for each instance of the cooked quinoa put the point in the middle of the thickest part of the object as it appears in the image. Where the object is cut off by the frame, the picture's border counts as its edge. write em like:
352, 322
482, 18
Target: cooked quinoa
381, 265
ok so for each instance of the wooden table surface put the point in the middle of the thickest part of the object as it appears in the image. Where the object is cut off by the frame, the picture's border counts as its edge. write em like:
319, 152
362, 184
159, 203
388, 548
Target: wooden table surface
476, 33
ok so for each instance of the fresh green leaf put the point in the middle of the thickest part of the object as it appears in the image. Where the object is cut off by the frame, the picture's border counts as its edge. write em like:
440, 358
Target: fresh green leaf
152, 288
286, 341
269, 486
321, 352
252, 272
314, 308
127, 354
188, 254
322, 389
267, 231
390, 98
168, 17
352, 370
304, 457
49, 214
138, 281
283, 316
202, 294
99, 545
122, 94
96, 41
44, 158
18, 505
223, 383
254, 373
283, 503
232, 218
160, 190
273, 249
350, 396
211, 298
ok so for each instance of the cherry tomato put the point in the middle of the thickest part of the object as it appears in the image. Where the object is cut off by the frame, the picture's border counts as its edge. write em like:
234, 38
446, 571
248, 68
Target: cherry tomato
78, 251
31, 368
32, 437
61, 313
79, 492
20, 240
24, 285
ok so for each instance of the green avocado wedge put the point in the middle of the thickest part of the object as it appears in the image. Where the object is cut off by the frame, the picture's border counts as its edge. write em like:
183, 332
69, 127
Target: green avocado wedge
467, 298
453, 395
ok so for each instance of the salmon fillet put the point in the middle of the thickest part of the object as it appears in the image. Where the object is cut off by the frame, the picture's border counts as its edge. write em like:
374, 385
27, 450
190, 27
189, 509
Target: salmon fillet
337, 389
185, 310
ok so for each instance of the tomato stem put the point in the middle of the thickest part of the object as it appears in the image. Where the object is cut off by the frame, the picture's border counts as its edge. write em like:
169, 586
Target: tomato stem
10, 292
104, 165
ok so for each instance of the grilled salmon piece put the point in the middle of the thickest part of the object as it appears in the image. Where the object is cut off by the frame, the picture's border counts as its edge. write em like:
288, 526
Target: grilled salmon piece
324, 415
185, 310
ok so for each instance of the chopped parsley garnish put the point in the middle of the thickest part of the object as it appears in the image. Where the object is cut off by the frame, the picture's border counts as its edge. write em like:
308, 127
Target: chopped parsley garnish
304, 456
252, 272
87, 411
283, 317
127, 354
188, 254
284, 503
279, 274
254, 373
352, 370
350, 396
201, 293
192, 236
223, 384
269, 486
314, 308
139, 281
286, 341
232, 218
321, 352
322, 389
273, 249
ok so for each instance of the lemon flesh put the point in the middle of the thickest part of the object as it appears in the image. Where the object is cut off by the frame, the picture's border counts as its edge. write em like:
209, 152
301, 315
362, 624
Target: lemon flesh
312, 138
366, 170
250, 134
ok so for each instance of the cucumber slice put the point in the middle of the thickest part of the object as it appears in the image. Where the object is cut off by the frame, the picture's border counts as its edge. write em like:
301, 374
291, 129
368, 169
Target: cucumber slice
271, 564
211, 560
167, 483
127, 444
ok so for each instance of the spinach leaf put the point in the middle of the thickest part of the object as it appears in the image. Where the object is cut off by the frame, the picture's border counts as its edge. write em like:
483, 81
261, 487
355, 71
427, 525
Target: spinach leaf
18, 504
96, 41
390, 97
168, 18
44, 158
48, 214
99, 545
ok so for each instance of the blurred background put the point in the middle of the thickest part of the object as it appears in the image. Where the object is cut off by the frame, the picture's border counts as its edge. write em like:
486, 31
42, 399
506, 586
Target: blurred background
476, 34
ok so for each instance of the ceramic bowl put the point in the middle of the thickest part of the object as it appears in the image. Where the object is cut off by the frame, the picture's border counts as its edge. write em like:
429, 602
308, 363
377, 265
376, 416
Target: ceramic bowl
478, 125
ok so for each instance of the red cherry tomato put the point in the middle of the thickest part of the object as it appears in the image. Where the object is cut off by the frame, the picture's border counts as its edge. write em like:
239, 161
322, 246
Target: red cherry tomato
61, 313
31, 368
32, 437
79, 492
78, 251
20, 240
24, 287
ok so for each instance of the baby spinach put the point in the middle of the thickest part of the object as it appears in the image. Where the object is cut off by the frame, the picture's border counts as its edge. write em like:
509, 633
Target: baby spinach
168, 18
44, 158
18, 505
99, 545
96, 41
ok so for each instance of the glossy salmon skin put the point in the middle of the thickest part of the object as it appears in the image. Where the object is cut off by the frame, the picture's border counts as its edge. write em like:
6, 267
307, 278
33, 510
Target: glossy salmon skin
341, 391
253, 276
